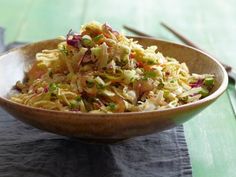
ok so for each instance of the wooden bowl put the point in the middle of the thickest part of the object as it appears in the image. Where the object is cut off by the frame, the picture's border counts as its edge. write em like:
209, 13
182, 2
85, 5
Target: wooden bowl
107, 127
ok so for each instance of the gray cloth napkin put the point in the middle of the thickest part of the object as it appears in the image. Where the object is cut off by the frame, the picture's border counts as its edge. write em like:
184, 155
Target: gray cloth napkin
29, 152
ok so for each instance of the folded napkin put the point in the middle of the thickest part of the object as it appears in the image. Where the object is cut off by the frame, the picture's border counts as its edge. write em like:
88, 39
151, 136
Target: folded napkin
29, 152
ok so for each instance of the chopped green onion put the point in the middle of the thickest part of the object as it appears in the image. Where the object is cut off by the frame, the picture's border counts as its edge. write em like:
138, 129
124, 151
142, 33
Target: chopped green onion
111, 106
209, 81
53, 87
87, 41
73, 104
144, 78
161, 85
63, 50
132, 79
100, 86
204, 92
150, 74
78, 98
98, 37
151, 62
185, 98
90, 83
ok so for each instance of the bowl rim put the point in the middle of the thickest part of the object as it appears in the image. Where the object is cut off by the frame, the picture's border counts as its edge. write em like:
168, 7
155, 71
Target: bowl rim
207, 99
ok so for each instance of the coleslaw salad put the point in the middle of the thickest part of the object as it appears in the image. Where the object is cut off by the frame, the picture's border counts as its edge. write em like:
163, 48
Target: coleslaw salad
99, 70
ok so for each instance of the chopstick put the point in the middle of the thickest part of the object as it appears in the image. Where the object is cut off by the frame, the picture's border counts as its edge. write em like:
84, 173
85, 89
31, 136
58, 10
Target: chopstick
136, 31
190, 43
179, 36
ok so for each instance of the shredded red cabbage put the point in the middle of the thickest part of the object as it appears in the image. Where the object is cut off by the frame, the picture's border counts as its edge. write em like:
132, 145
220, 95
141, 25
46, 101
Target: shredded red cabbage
73, 39
109, 28
199, 83
45, 89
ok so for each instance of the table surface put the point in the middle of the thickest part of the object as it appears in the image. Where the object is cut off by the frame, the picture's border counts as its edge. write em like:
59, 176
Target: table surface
211, 135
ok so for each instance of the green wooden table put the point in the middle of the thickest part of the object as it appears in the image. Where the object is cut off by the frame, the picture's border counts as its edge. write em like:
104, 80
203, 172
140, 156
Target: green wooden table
211, 136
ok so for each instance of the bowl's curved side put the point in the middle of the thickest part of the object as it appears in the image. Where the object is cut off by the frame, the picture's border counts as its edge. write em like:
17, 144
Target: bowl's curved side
107, 126
14, 63
103, 126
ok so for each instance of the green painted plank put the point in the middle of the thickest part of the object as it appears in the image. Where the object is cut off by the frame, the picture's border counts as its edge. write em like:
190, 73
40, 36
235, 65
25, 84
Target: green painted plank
211, 140
50, 19
145, 17
10, 19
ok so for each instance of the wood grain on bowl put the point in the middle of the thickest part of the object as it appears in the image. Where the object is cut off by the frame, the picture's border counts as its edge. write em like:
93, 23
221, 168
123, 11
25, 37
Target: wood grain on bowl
107, 126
